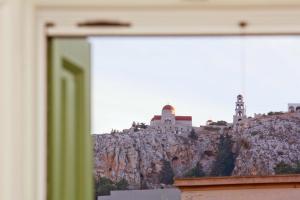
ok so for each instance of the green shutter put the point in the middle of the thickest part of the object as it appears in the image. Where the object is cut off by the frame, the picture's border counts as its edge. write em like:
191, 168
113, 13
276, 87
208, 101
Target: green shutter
69, 161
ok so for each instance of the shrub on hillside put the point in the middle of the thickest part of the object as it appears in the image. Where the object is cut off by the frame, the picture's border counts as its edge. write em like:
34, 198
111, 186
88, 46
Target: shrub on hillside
193, 135
196, 171
138, 126
104, 186
225, 159
275, 113
122, 184
283, 168
219, 123
166, 174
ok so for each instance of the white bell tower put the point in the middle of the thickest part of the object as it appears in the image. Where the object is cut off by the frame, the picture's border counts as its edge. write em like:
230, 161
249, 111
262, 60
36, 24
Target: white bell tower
240, 110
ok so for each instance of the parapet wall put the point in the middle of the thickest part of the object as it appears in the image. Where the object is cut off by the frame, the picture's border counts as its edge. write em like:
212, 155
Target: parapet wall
240, 188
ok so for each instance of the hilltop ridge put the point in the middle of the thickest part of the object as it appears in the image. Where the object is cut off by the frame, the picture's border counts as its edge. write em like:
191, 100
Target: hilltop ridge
142, 157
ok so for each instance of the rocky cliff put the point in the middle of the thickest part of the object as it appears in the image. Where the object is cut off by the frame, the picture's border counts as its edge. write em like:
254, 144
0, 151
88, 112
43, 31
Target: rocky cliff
139, 156
259, 144
264, 142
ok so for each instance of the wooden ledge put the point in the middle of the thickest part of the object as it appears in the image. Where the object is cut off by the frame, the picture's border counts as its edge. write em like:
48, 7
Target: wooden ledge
238, 182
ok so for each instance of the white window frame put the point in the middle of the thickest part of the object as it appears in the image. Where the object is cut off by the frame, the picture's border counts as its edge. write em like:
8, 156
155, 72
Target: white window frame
168, 21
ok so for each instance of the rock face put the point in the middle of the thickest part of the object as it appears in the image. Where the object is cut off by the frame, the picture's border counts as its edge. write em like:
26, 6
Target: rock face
264, 142
259, 145
138, 156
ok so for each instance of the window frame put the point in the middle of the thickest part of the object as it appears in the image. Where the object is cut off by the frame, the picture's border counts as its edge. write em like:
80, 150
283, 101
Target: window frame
62, 21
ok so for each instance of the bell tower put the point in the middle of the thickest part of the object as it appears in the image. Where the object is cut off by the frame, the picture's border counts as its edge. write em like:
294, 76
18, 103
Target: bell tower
240, 110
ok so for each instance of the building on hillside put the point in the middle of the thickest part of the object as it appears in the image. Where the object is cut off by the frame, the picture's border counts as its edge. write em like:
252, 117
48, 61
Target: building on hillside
208, 122
294, 107
168, 120
240, 110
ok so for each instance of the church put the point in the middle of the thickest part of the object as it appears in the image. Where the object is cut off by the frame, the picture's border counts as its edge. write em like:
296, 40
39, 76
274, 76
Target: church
168, 120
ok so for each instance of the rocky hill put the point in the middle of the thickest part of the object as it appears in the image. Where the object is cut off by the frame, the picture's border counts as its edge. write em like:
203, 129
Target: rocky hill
143, 157
265, 142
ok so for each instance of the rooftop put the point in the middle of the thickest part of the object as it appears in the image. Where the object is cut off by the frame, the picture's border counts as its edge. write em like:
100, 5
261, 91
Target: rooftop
238, 181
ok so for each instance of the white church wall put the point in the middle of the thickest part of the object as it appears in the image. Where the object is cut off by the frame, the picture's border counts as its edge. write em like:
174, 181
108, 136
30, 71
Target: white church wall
184, 122
168, 115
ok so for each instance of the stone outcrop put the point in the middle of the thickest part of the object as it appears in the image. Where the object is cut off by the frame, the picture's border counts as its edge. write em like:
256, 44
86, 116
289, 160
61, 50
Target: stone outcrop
138, 156
259, 145
264, 142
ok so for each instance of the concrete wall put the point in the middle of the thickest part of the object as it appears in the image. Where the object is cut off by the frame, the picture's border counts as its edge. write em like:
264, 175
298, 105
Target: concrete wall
240, 188
160, 194
244, 194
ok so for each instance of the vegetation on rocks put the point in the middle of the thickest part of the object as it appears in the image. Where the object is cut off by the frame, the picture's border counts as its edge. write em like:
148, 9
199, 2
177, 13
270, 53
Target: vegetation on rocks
196, 171
225, 160
283, 168
138, 126
275, 113
104, 186
166, 173
193, 135
219, 123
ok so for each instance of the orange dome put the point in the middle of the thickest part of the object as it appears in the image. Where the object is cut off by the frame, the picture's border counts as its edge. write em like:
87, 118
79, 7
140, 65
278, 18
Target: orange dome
168, 107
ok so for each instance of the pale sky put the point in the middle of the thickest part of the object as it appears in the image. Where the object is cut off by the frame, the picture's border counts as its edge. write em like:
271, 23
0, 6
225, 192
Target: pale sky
134, 77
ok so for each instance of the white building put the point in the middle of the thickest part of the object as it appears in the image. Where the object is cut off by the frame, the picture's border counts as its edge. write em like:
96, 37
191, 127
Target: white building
168, 120
294, 107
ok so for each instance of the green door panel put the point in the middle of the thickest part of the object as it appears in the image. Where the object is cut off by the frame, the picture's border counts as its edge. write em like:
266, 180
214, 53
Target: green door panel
69, 150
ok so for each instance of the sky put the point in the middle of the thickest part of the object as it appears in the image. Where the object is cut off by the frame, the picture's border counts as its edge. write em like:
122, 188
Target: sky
134, 77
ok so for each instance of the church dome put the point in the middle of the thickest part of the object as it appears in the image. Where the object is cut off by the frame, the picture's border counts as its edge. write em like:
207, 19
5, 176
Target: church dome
169, 107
